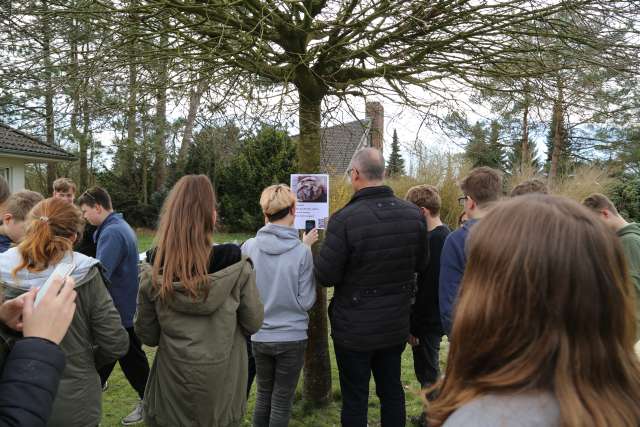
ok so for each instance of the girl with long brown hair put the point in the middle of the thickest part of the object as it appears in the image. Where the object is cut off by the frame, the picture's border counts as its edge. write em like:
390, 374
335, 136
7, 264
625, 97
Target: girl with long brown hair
544, 327
196, 303
96, 336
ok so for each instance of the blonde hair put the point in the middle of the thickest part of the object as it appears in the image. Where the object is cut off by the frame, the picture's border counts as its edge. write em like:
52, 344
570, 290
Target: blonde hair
20, 203
275, 199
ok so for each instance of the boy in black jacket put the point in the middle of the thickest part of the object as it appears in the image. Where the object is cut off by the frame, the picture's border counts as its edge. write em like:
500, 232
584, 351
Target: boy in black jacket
426, 328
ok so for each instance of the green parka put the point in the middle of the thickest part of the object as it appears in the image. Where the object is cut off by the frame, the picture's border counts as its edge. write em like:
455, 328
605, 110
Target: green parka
199, 374
96, 337
630, 238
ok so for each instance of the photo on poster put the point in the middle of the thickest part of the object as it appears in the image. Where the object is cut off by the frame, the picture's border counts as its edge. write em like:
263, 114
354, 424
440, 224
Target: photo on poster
311, 188
312, 199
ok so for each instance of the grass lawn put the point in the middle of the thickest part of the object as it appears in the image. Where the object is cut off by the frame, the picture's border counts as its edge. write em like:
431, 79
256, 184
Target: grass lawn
120, 398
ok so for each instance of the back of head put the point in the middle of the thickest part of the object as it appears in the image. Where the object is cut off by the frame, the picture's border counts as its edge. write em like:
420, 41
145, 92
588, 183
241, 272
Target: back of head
95, 196
425, 196
183, 240
598, 202
546, 306
483, 185
21, 202
530, 186
276, 201
53, 225
370, 163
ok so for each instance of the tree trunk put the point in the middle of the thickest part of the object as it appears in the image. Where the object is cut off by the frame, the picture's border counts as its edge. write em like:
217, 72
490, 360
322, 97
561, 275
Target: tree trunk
48, 95
160, 140
195, 96
84, 142
525, 162
317, 366
558, 110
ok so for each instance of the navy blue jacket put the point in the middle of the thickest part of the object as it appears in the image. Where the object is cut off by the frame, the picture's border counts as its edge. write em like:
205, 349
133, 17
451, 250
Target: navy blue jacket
452, 263
5, 243
29, 383
117, 250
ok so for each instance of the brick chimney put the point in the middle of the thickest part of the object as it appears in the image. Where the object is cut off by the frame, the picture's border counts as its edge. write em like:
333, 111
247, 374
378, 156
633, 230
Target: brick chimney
375, 112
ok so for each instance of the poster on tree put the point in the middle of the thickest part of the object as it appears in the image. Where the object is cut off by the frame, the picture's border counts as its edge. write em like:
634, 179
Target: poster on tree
312, 194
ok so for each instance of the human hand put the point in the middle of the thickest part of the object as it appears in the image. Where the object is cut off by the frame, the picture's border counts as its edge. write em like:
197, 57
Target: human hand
53, 315
311, 237
413, 341
11, 312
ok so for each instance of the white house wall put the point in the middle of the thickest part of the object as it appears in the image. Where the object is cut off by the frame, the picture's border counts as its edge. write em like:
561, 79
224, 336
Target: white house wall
14, 168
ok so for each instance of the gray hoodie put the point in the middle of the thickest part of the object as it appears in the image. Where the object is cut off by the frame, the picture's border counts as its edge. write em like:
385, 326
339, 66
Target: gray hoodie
284, 276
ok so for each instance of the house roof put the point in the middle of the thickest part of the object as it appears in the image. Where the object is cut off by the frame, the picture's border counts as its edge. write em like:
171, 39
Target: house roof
339, 143
16, 143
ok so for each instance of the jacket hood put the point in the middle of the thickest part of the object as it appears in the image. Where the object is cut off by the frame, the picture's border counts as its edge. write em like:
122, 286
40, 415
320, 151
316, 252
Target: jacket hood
26, 279
219, 287
276, 239
632, 228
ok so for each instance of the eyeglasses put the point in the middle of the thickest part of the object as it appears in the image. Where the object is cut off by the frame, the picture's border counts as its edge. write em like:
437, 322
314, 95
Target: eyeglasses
89, 195
462, 200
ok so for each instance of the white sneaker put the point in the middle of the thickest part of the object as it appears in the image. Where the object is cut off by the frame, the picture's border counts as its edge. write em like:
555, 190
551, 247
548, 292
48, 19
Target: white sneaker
135, 417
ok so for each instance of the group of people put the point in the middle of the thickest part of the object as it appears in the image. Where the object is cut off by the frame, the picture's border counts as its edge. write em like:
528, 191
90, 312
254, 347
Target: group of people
536, 293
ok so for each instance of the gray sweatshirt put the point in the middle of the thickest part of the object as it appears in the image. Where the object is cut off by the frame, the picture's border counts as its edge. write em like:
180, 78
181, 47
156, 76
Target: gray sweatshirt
284, 276
532, 409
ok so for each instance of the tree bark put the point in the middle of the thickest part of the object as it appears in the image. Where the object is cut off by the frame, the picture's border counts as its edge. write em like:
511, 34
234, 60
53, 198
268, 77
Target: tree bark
195, 96
558, 113
160, 140
525, 162
317, 366
48, 95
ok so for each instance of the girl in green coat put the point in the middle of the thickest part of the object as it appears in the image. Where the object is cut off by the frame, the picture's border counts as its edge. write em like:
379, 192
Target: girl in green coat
196, 303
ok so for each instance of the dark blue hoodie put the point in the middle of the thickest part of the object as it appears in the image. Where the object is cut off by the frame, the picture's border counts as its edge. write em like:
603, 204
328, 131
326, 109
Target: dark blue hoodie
117, 250
452, 263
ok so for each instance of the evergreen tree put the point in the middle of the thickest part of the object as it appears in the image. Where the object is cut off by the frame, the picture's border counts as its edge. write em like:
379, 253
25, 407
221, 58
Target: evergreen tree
395, 165
495, 151
476, 148
514, 157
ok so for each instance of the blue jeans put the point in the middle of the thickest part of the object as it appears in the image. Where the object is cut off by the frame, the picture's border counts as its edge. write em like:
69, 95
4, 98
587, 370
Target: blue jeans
355, 368
278, 366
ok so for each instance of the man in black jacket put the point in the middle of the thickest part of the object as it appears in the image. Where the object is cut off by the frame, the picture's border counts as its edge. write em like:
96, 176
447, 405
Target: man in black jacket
373, 249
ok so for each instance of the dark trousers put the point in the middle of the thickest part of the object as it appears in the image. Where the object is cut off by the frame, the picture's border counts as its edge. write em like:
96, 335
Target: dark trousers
426, 361
134, 364
355, 368
278, 366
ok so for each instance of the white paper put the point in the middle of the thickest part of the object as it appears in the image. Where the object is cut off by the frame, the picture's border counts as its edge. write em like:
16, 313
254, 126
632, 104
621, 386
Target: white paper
312, 194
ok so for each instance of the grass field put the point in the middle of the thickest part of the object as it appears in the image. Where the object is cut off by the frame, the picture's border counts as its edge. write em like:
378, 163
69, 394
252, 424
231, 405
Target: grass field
120, 398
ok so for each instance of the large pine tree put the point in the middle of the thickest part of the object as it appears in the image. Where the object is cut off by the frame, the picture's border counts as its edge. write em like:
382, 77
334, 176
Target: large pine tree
395, 165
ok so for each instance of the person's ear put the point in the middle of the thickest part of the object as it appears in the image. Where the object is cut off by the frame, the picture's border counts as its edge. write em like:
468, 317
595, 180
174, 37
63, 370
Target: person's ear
605, 214
293, 209
7, 218
215, 216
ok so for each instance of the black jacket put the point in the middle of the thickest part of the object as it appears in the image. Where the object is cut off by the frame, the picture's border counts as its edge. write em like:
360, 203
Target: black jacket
86, 245
372, 250
425, 313
29, 383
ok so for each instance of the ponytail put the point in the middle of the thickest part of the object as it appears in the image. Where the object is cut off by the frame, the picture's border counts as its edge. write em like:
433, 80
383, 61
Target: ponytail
52, 225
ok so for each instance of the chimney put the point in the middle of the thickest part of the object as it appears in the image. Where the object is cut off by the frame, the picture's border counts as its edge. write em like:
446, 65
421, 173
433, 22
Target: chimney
375, 112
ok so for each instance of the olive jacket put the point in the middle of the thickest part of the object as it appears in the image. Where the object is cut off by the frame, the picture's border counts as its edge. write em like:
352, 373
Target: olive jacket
96, 336
199, 374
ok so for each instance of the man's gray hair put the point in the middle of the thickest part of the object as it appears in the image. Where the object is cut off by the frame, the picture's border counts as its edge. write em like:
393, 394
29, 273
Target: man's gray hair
370, 163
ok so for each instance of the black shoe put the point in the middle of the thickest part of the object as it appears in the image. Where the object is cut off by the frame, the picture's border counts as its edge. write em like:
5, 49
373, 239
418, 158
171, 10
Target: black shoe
418, 420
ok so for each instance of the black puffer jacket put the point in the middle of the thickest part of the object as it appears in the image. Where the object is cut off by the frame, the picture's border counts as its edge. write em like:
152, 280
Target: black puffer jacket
372, 250
29, 383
